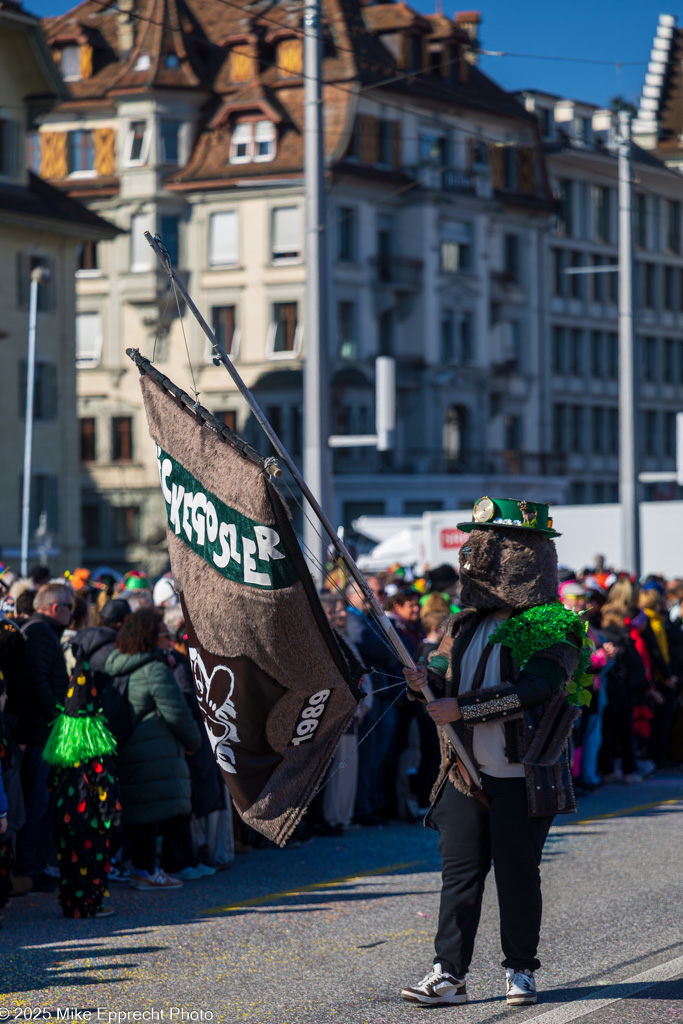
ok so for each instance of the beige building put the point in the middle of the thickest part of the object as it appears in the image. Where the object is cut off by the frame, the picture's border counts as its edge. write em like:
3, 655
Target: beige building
39, 226
437, 208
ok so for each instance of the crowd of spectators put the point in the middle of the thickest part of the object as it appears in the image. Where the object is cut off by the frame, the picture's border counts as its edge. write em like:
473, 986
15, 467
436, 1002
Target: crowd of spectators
177, 821
177, 818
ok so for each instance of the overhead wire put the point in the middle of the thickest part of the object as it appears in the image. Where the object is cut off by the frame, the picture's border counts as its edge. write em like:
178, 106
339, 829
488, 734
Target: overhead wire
476, 134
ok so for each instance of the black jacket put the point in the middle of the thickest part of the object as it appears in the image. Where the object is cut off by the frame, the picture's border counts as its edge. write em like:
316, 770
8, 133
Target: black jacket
13, 668
95, 644
46, 680
205, 775
626, 680
532, 705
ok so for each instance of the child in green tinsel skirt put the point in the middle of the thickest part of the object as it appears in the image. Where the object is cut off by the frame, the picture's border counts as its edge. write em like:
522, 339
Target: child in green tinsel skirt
87, 809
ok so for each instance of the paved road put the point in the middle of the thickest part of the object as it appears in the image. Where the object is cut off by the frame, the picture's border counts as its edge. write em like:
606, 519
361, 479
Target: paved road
326, 934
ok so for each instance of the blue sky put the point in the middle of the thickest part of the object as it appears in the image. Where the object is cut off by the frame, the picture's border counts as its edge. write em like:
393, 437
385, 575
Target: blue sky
611, 30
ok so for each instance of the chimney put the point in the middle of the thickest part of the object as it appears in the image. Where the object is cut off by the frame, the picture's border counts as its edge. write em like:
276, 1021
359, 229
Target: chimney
126, 26
469, 22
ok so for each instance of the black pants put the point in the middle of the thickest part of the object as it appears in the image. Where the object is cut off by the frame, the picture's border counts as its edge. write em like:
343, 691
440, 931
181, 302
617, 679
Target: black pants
176, 850
469, 837
617, 741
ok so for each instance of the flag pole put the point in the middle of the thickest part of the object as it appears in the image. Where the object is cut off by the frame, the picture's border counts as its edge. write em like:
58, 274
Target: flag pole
220, 357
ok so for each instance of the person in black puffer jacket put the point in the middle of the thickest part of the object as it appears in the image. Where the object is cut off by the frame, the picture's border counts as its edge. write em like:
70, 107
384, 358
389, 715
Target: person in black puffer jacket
46, 684
95, 643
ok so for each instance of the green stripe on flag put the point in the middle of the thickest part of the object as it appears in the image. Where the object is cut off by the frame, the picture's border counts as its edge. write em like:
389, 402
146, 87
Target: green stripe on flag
234, 545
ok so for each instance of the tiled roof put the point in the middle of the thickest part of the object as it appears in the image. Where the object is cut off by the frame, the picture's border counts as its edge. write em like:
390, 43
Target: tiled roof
187, 44
388, 17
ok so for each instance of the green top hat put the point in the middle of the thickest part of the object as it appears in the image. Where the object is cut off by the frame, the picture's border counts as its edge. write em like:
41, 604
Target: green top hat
508, 512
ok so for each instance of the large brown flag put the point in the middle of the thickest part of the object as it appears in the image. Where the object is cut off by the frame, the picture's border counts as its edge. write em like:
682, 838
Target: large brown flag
274, 685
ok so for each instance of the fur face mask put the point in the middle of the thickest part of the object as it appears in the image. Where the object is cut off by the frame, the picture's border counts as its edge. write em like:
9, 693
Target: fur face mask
507, 569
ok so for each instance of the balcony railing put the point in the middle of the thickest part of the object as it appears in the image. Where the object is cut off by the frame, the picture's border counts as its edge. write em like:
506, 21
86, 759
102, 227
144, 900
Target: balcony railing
399, 272
412, 461
457, 181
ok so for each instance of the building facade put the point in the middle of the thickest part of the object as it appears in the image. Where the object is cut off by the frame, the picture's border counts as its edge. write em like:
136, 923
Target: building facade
40, 226
581, 369
187, 120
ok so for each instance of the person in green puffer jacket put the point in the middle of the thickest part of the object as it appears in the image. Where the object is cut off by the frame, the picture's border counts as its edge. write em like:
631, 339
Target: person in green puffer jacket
153, 772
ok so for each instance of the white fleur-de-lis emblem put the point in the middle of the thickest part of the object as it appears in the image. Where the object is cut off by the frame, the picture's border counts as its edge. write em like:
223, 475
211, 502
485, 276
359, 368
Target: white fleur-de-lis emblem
220, 728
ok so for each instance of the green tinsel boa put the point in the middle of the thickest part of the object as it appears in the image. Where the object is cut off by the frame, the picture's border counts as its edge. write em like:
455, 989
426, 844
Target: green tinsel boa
539, 628
73, 740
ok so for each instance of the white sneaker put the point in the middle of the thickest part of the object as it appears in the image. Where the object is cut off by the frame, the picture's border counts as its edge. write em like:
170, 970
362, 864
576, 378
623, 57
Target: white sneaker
437, 987
632, 778
188, 874
520, 987
206, 869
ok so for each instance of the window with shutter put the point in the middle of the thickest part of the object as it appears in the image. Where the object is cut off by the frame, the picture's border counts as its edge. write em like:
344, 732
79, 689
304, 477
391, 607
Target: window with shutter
88, 340
264, 140
88, 439
137, 146
169, 142
229, 417
242, 65
286, 233
223, 319
53, 163
170, 233
126, 524
104, 142
121, 439
85, 61
369, 139
290, 58
86, 259
80, 153
140, 253
224, 239
70, 64
284, 335
241, 143
44, 391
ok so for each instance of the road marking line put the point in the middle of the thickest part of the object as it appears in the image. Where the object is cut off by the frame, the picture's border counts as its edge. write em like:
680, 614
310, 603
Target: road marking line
257, 901
589, 1004
626, 810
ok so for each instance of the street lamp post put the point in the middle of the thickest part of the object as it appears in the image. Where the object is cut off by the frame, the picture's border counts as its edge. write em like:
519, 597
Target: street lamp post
39, 275
628, 409
316, 401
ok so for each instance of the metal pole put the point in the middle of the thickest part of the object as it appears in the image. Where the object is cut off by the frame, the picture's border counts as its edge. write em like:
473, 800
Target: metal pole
38, 276
316, 452
220, 354
628, 407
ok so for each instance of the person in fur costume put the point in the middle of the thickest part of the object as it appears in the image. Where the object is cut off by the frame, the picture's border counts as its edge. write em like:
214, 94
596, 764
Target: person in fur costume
87, 809
508, 674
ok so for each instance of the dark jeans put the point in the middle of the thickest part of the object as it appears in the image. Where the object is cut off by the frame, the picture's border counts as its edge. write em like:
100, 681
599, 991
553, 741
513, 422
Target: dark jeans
34, 837
176, 849
380, 723
469, 837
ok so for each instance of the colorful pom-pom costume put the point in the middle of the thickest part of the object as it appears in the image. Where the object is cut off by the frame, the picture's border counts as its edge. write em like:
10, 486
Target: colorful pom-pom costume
87, 808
